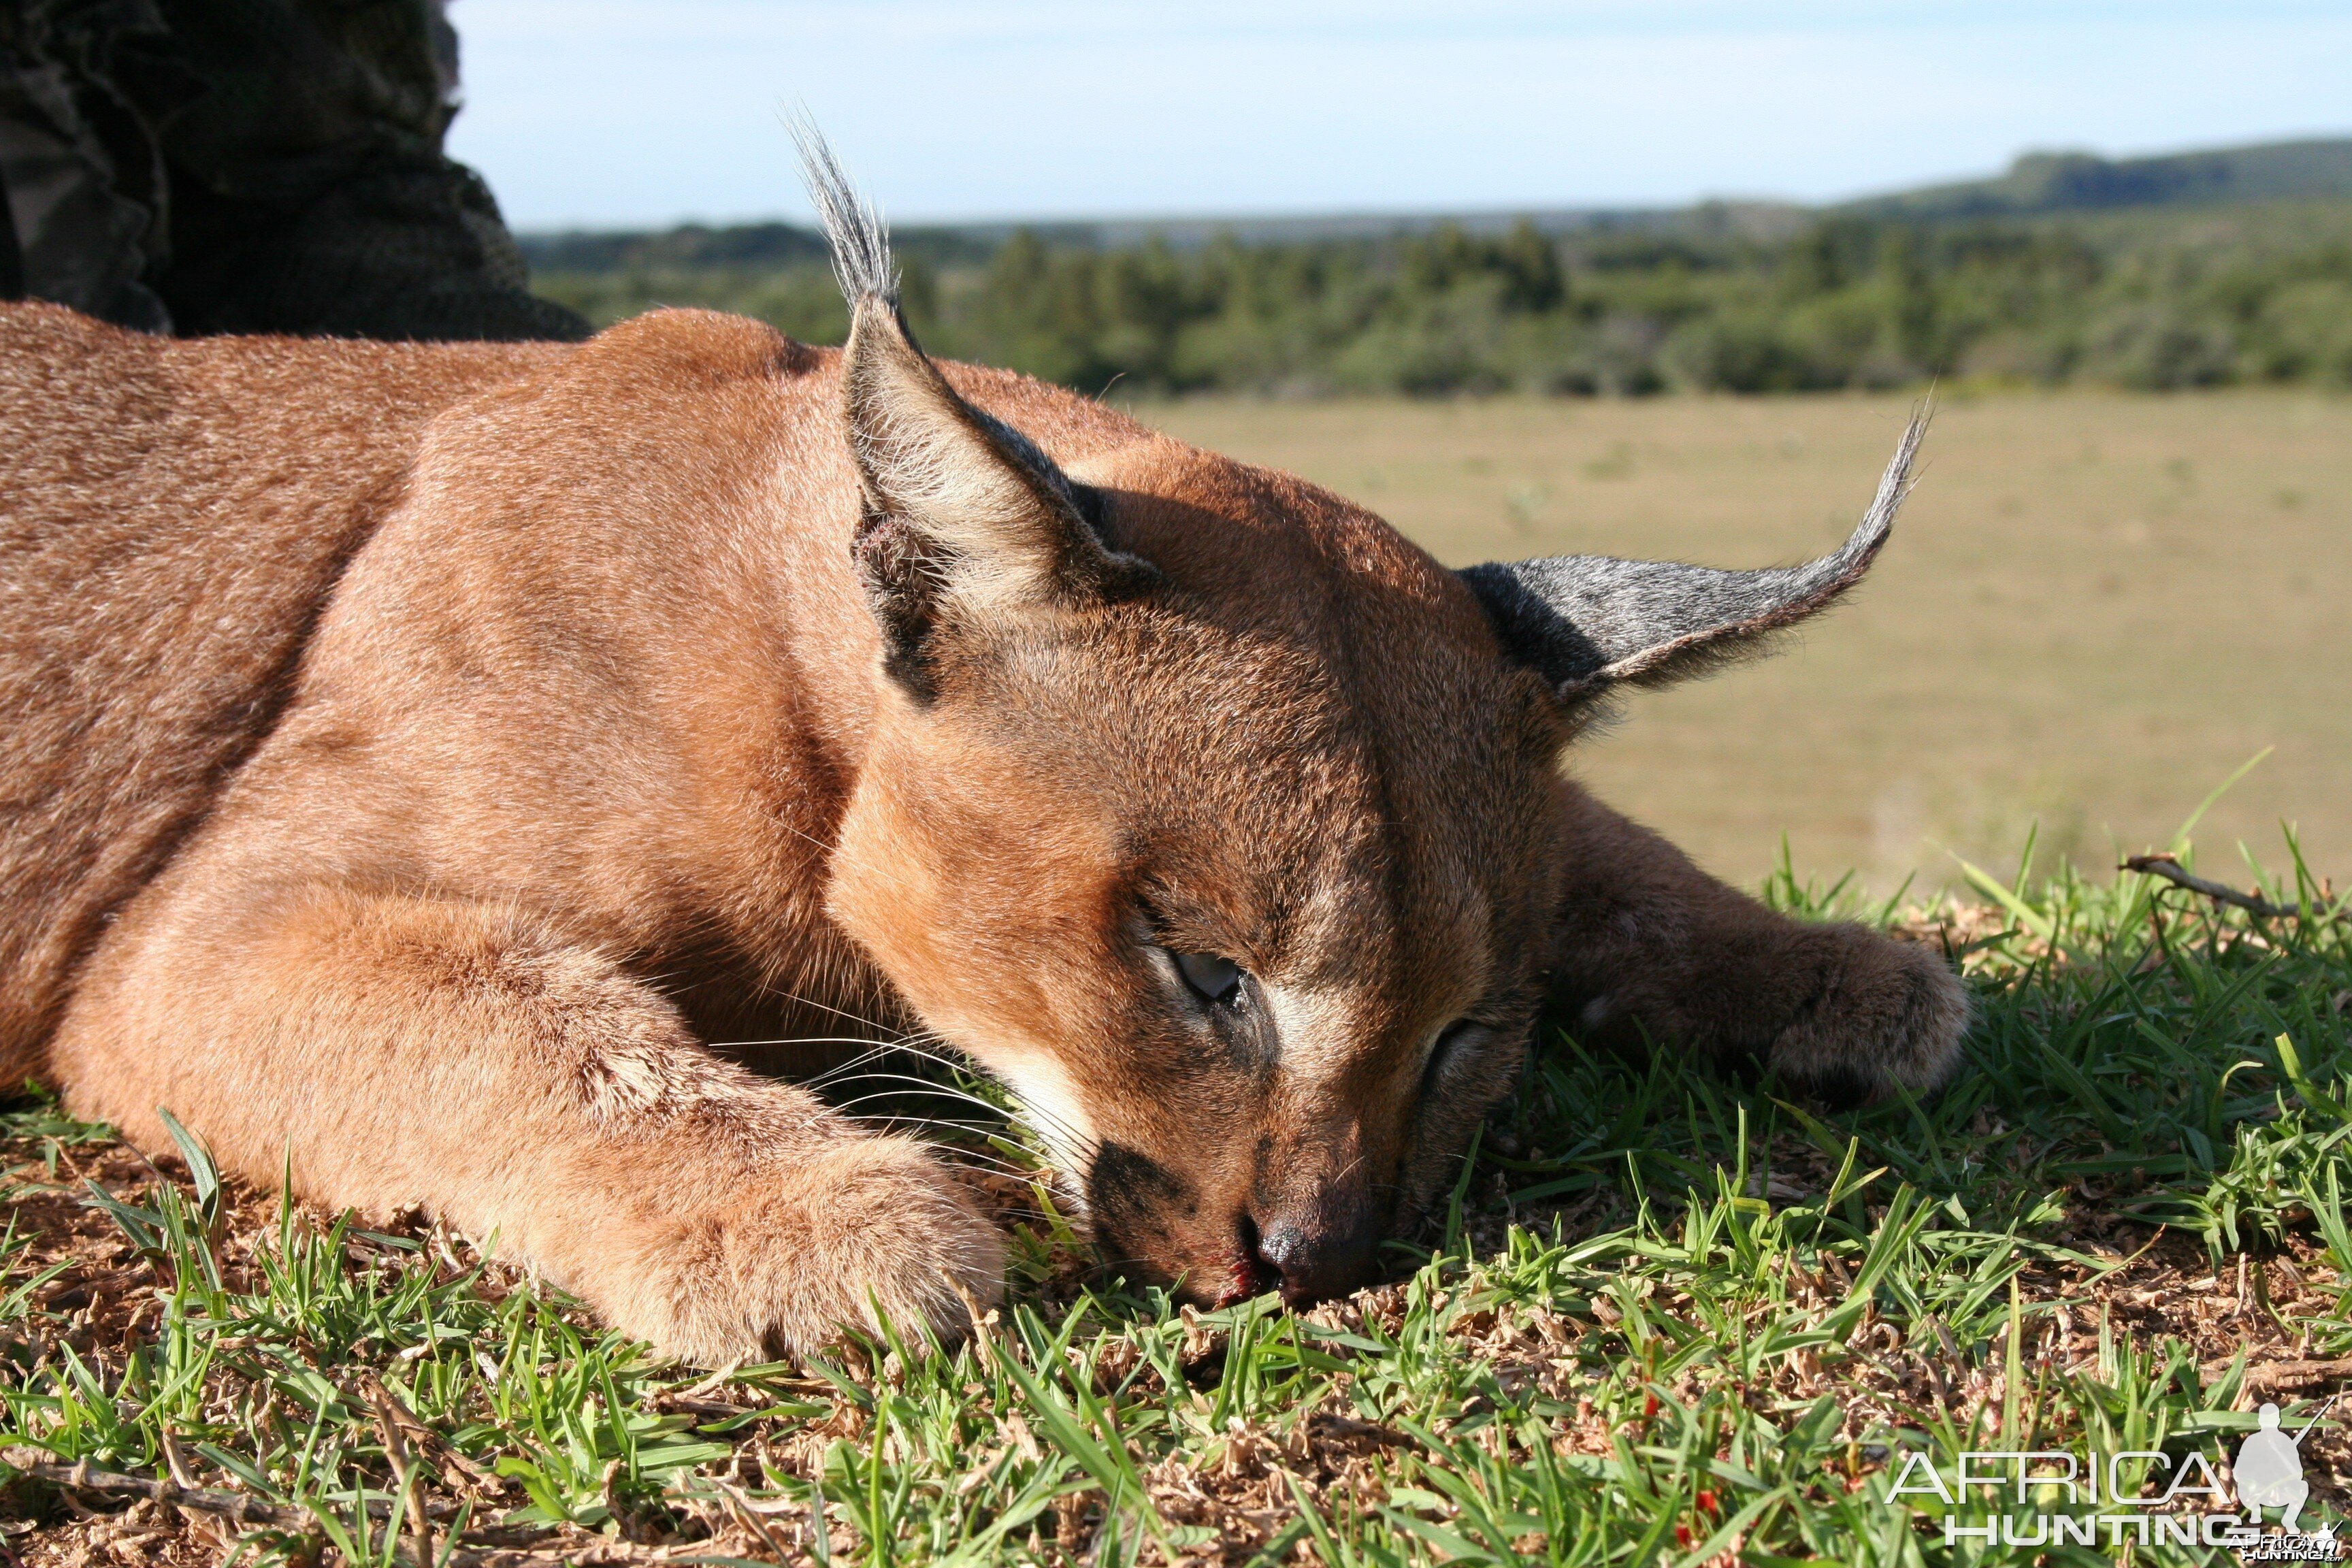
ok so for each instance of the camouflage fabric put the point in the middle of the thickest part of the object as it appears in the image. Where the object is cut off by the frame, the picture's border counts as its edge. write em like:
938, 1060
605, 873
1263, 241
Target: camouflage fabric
250, 165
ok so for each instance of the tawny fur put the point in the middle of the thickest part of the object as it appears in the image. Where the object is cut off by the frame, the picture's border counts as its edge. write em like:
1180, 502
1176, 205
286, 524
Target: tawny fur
425, 764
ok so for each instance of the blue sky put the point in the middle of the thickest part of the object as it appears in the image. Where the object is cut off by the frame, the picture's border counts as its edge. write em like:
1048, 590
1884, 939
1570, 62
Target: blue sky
612, 112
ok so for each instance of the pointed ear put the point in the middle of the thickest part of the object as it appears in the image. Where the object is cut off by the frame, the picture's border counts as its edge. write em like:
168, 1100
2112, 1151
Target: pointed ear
1005, 527
962, 515
1589, 622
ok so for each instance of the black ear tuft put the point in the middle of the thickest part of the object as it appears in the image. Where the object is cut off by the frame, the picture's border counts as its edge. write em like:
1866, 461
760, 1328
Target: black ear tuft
1589, 622
854, 228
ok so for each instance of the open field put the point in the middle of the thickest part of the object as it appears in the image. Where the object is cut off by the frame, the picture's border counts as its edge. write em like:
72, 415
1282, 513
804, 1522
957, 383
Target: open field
2097, 606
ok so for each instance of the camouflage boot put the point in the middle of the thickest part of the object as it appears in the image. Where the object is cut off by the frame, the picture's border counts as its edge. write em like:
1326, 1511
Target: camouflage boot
252, 166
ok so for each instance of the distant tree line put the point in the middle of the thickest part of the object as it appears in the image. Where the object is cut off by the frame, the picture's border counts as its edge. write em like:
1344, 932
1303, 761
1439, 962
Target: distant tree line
2162, 299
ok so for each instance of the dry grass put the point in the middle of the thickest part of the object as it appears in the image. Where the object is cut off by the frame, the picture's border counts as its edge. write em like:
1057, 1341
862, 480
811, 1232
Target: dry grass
2096, 607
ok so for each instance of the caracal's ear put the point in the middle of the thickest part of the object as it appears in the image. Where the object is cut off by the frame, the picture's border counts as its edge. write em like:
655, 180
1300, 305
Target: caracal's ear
1589, 622
964, 518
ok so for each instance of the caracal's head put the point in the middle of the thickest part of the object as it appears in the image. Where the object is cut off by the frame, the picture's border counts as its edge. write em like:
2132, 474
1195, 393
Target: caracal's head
1215, 818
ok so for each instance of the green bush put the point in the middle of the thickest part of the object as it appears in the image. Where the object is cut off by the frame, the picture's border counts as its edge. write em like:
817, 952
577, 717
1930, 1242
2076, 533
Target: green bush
2157, 299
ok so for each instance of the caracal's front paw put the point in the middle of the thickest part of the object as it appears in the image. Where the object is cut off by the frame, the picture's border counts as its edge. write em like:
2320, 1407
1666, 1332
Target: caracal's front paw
873, 1223
1883, 1015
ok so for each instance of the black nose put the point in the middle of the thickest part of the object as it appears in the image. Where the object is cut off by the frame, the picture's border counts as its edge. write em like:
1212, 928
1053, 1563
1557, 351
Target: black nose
1315, 1257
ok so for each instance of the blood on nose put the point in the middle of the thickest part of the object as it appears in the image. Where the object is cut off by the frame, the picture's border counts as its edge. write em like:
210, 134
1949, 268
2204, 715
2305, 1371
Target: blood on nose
1314, 1256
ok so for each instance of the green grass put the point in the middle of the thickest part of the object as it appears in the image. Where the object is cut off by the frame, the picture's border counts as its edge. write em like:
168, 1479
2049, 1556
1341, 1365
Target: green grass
1670, 1318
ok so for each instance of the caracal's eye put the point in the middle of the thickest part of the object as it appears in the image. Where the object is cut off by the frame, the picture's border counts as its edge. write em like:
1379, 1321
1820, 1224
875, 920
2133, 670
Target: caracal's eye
1216, 979
1447, 1050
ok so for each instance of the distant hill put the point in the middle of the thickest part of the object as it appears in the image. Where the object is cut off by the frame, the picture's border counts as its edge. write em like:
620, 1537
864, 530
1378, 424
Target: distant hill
1710, 220
759, 246
2036, 184
2082, 182
2143, 273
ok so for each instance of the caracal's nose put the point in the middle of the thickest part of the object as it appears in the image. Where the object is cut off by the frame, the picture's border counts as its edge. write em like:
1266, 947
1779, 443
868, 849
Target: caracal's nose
1315, 1254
